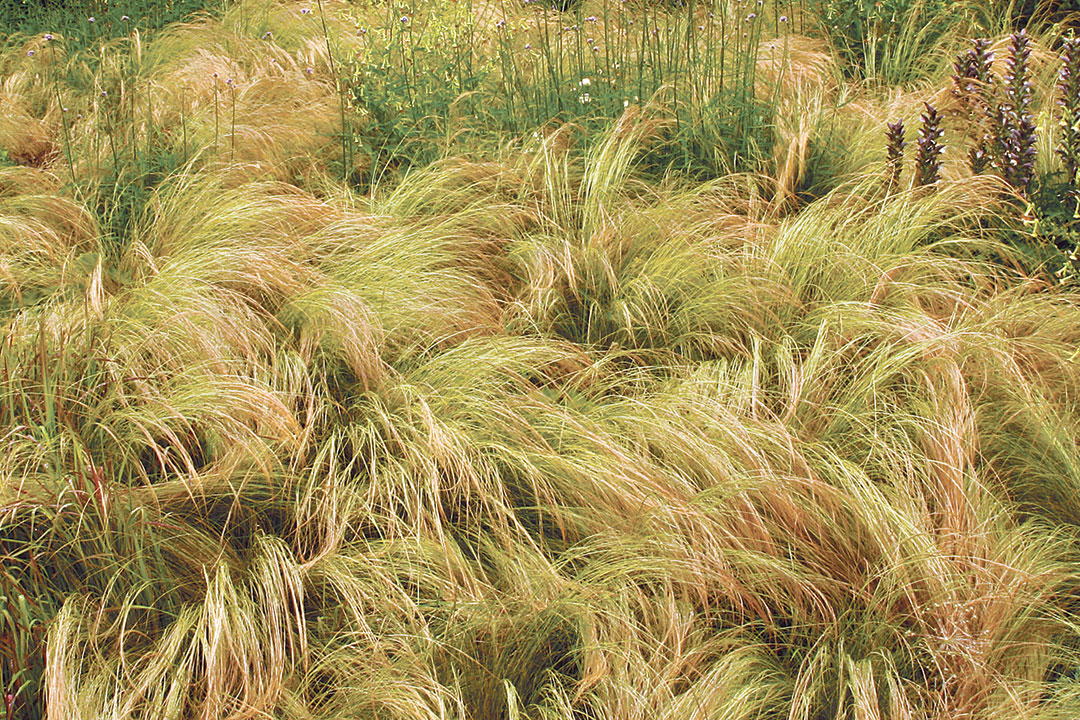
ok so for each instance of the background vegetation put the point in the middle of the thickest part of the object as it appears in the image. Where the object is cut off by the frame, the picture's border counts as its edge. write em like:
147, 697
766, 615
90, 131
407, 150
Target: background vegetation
606, 360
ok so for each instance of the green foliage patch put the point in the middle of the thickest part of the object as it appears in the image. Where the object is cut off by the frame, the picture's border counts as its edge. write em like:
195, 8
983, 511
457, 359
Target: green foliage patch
427, 80
84, 23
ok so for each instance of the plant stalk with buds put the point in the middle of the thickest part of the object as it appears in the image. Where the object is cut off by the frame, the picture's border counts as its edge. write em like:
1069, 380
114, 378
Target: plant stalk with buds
1015, 127
894, 151
973, 85
1068, 87
928, 156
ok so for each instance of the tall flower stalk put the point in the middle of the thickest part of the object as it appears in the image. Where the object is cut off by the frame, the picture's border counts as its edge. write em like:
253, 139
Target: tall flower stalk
1015, 127
894, 151
928, 156
1068, 87
973, 84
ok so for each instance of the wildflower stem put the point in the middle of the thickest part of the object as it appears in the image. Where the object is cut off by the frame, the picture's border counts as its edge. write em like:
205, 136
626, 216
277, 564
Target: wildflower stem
346, 144
67, 138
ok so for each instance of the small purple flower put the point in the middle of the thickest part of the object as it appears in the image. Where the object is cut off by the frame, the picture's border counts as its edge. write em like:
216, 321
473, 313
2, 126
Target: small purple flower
783, 18
90, 19
29, 53
528, 46
124, 18
267, 35
309, 70
48, 37
591, 19
404, 19
305, 11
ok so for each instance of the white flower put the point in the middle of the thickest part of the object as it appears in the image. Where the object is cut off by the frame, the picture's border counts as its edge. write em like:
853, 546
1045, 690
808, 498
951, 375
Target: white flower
585, 82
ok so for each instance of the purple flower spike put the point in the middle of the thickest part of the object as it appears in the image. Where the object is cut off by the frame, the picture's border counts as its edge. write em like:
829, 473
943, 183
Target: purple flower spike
928, 158
1068, 87
894, 151
973, 88
1015, 129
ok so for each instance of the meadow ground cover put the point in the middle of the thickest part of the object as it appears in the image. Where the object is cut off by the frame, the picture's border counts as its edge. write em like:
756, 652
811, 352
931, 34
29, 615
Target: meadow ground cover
490, 360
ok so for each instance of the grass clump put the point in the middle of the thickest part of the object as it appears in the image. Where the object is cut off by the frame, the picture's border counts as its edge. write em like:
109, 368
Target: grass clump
333, 385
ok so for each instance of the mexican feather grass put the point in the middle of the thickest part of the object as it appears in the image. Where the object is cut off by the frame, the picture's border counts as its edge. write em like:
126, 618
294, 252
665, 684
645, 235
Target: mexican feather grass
528, 435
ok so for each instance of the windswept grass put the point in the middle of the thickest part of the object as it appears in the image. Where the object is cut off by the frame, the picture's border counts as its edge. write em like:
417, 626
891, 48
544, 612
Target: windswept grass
531, 431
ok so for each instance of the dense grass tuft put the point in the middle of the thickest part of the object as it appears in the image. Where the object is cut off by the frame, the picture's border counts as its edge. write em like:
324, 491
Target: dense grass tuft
567, 422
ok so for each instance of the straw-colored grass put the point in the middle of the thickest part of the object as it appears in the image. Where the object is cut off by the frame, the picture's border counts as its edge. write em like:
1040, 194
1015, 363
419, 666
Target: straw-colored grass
526, 434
